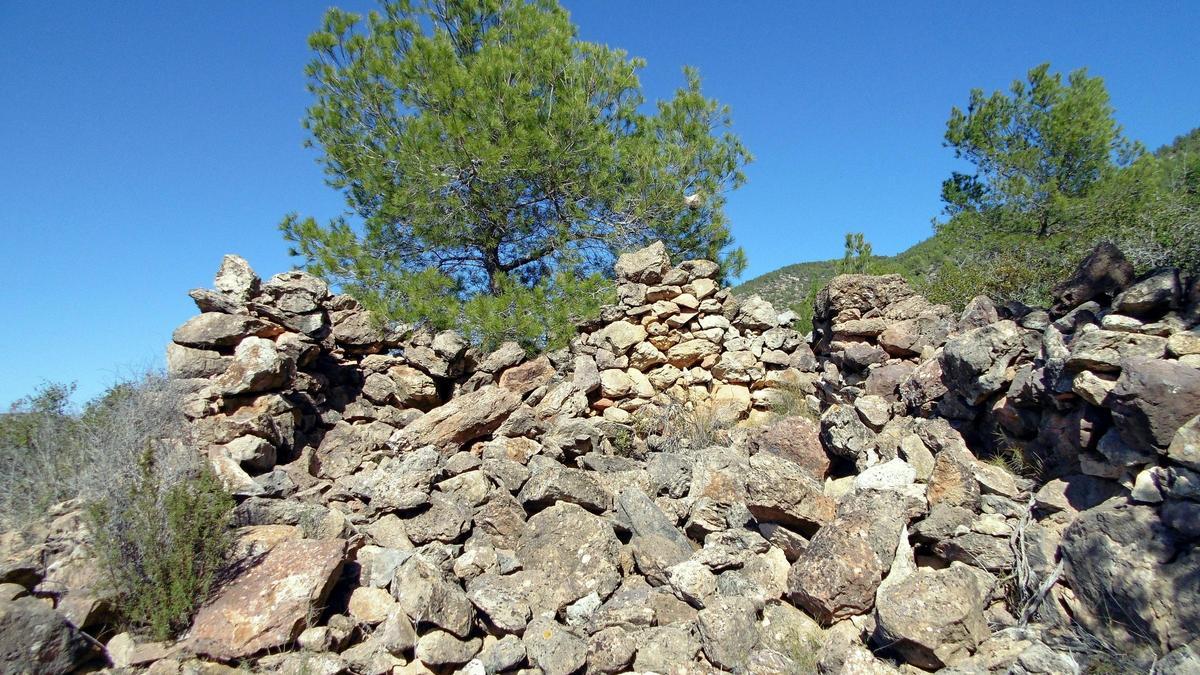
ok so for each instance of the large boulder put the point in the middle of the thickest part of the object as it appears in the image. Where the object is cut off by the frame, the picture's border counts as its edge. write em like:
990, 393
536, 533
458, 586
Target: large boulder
933, 617
462, 419
36, 639
570, 553
1132, 576
1103, 273
837, 575
975, 364
644, 266
1152, 400
268, 604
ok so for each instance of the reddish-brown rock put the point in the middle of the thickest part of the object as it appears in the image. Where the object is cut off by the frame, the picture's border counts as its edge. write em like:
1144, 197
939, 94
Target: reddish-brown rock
268, 604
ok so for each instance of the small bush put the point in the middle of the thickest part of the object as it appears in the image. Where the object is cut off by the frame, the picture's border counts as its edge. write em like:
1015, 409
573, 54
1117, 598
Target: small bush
159, 520
163, 544
696, 425
792, 401
160, 523
40, 459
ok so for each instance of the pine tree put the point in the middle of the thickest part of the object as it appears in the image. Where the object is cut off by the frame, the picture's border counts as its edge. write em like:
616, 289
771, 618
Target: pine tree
495, 164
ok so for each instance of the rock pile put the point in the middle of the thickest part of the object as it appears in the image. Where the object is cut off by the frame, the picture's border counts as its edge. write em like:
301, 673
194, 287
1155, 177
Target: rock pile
692, 487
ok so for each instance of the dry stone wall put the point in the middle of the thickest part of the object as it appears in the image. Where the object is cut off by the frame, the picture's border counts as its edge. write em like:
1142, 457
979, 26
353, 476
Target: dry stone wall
693, 486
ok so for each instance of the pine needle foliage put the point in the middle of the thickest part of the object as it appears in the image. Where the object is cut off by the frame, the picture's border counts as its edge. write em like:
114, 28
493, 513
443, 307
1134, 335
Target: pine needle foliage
485, 150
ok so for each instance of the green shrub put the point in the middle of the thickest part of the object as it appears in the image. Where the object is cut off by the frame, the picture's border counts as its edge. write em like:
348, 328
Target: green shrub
162, 540
39, 455
158, 518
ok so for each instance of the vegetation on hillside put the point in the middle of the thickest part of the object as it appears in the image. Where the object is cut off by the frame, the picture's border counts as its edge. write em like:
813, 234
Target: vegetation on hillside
1054, 177
498, 163
158, 518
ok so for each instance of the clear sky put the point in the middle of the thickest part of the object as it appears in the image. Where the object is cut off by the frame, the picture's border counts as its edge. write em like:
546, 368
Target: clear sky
141, 140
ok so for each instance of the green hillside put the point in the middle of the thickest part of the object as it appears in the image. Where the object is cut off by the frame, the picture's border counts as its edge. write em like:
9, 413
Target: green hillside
1148, 208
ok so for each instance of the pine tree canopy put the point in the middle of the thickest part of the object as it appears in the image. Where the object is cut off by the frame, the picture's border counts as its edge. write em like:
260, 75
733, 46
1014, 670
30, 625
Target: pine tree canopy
1045, 142
494, 164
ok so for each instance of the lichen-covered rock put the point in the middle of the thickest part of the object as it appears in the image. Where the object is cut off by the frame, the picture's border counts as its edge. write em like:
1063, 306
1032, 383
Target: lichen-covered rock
837, 575
1133, 576
645, 266
36, 639
554, 648
975, 363
1152, 400
572, 552
933, 617
267, 605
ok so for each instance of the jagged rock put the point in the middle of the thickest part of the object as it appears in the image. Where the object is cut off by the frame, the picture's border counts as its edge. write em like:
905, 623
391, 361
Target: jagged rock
572, 552
427, 597
1159, 291
266, 606
445, 520
692, 582
344, 447
932, 617
794, 438
656, 543
780, 490
670, 474
845, 561
554, 648
924, 385
860, 293
1104, 272
1130, 576
953, 481
460, 420
551, 482
979, 312
211, 329
975, 363
236, 279
728, 630
36, 639
844, 434
1105, 350
1152, 400
644, 266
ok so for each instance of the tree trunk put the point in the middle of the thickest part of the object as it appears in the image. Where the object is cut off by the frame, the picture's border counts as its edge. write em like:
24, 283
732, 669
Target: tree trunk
491, 265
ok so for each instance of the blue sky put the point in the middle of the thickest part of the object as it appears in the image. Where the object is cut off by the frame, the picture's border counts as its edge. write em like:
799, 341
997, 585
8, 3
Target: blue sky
142, 140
